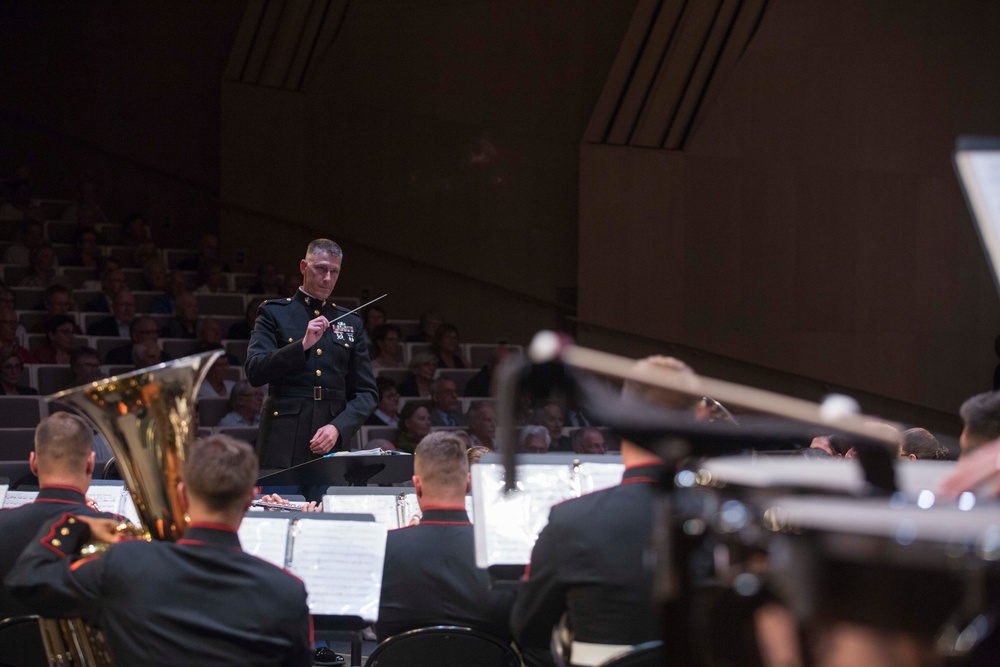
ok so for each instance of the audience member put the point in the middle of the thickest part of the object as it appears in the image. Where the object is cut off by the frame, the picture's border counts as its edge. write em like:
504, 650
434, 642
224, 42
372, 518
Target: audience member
482, 418
58, 300
430, 575
422, 366
589, 440
185, 320
9, 325
43, 267
242, 330
83, 361
211, 279
60, 331
7, 298
142, 330
19, 206
208, 253
217, 383
591, 562
11, 374
63, 461
87, 249
387, 411
414, 424
981, 420
154, 276
446, 347
30, 236
112, 282
919, 443
429, 322
166, 303
480, 384
373, 318
145, 355
477, 452
85, 211
446, 409
245, 402
135, 231
119, 323
550, 415
534, 439
197, 601
386, 350
268, 281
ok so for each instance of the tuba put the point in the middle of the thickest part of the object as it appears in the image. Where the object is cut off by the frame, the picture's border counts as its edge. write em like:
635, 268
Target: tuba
148, 418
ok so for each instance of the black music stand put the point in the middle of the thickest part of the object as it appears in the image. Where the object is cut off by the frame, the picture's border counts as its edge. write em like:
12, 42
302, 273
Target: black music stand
342, 471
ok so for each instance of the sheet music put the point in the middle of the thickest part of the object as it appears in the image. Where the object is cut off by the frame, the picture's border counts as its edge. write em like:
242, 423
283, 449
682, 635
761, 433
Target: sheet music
468, 508
266, 538
3, 492
17, 498
382, 507
597, 476
979, 170
509, 523
128, 509
107, 496
340, 563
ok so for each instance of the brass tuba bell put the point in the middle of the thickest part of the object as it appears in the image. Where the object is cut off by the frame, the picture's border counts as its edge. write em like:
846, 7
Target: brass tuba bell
148, 418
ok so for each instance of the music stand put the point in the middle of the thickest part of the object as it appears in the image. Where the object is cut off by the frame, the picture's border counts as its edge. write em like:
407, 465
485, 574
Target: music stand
342, 471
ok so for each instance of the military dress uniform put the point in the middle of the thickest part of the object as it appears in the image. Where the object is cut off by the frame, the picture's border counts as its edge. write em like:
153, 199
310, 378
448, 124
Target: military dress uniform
330, 383
19, 525
198, 601
430, 578
592, 560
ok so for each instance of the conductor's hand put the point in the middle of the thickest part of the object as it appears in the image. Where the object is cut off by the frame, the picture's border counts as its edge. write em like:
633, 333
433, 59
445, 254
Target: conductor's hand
979, 468
324, 440
102, 530
314, 331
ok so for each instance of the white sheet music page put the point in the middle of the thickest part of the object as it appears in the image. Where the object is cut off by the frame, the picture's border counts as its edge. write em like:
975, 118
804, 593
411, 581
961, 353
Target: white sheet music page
3, 493
597, 476
340, 563
128, 509
266, 537
17, 498
508, 524
980, 172
107, 496
382, 507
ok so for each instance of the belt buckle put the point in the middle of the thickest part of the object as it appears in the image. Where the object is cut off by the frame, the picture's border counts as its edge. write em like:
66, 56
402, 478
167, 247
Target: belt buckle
317, 393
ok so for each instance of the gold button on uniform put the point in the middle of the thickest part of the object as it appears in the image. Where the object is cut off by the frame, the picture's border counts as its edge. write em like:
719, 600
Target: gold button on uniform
289, 340
64, 531
346, 345
319, 352
71, 521
288, 299
275, 413
315, 312
318, 372
56, 543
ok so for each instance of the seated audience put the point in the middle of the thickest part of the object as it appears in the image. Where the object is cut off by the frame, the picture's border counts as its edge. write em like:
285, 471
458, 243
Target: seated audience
414, 424
9, 325
83, 361
119, 323
43, 267
919, 443
217, 383
60, 331
19, 206
143, 330
85, 212
211, 279
480, 384
373, 318
154, 276
385, 350
268, 281
63, 461
208, 253
430, 575
446, 410
589, 440
387, 411
11, 370
197, 601
30, 236
58, 300
185, 321
550, 415
7, 298
112, 282
482, 420
429, 322
534, 439
245, 402
87, 250
135, 231
145, 355
423, 366
166, 303
981, 420
591, 562
242, 330
446, 347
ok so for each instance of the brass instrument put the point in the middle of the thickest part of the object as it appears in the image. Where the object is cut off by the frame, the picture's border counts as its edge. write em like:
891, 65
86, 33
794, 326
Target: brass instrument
148, 418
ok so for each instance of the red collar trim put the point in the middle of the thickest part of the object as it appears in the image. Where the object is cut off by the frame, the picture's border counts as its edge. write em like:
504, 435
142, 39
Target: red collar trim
60, 486
453, 507
211, 526
444, 523
57, 500
639, 480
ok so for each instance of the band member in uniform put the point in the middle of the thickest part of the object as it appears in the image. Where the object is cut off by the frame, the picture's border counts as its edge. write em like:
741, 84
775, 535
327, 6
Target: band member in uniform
63, 461
198, 601
321, 384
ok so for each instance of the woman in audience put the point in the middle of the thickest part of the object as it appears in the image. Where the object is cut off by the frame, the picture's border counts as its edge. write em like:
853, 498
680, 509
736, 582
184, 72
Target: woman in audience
422, 365
216, 385
60, 330
386, 412
919, 443
414, 424
245, 402
11, 367
386, 351
446, 347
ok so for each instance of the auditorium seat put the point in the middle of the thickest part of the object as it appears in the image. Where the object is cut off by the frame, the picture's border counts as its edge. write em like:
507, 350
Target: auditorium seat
410, 349
478, 354
211, 410
369, 433
244, 433
21, 642
178, 347
15, 273
443, 645
25, 298
20, 411
51, 378
82, 296
460, 376
221, 303
16, 443
57, 231
78, 274
104, 344
397, 375
237, 348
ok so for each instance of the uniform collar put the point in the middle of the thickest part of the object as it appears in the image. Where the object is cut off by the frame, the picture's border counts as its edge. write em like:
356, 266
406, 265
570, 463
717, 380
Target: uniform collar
61, 494
644, 473
444, 515
211, 535
311, 301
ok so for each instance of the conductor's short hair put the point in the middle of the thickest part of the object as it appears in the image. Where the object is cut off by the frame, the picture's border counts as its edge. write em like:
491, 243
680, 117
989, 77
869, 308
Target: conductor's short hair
324, 246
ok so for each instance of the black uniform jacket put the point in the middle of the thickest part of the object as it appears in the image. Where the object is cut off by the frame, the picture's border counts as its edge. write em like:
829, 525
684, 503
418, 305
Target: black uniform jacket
19, 526
430, 578
330, 383
592, 560
198, 601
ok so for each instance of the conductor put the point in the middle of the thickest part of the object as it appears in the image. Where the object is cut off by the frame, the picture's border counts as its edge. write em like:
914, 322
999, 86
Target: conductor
316, 362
